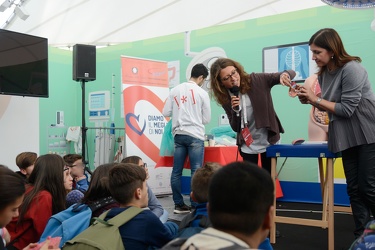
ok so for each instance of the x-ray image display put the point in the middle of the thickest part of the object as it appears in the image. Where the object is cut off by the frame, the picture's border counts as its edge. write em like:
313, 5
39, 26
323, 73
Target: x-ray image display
292, 56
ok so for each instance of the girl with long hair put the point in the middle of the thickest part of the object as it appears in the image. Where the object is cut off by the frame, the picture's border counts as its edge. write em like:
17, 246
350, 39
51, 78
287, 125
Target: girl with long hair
44, 196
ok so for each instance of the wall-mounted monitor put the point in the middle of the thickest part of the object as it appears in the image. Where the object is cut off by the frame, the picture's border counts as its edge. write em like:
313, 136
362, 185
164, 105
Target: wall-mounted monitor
296, 56
99, 105
23, 64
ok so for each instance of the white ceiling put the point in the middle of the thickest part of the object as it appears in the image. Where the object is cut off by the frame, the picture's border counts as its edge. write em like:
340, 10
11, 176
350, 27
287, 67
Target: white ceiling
98, 22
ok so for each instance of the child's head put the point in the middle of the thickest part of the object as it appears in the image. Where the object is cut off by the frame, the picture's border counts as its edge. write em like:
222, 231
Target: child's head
99, 184
127, 183
132, 159
240, 198
25, 161
48, 172
136, 160
12, 189
74, 161
201, 180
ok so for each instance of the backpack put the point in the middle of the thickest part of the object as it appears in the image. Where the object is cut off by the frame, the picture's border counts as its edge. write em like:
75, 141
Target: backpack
103, 235
73, 220
367, 239
186, 229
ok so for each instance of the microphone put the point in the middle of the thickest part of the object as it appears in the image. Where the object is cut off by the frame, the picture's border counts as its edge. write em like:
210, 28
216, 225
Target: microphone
235, 90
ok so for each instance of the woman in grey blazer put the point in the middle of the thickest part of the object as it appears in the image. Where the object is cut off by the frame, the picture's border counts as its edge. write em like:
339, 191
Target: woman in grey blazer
348, 98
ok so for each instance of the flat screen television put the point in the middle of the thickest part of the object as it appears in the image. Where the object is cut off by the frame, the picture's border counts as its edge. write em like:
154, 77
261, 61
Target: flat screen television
23, 64
296, 56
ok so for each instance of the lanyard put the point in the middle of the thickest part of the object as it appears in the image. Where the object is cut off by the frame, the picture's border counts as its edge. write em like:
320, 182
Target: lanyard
244, 111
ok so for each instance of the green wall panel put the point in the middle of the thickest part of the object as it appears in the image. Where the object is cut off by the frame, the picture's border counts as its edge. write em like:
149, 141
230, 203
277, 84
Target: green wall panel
242, 41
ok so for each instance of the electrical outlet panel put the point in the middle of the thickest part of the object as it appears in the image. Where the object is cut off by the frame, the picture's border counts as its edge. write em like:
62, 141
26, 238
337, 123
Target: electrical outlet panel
223, 120
60, 118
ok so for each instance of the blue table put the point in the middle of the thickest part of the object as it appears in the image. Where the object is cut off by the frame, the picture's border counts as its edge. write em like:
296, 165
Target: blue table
313, 150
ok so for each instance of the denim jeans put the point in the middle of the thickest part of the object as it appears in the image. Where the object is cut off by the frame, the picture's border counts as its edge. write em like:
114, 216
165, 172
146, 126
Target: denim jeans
171, 227
185, 145
164, 217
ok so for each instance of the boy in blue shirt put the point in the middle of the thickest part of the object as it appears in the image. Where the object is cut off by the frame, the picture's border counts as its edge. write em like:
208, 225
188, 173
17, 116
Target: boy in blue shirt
198, 219
127, 184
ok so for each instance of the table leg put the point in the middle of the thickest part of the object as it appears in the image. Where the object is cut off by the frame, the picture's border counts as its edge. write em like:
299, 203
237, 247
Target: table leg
329, 179
273, 224
321, 175
323, 189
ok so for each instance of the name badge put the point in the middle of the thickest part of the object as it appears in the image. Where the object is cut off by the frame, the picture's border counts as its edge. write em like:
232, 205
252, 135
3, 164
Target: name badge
247, 136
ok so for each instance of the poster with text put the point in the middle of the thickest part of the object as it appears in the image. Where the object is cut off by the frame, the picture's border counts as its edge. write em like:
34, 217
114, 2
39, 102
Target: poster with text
145, 88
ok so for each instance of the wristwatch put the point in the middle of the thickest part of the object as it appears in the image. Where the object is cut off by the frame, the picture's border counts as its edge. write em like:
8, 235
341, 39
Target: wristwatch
317, 102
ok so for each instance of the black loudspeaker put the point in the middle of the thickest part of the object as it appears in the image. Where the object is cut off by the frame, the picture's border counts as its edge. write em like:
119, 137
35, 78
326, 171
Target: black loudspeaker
84, 62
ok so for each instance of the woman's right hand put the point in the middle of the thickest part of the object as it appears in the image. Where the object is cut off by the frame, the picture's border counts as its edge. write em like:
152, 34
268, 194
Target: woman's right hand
235, 101
305, 95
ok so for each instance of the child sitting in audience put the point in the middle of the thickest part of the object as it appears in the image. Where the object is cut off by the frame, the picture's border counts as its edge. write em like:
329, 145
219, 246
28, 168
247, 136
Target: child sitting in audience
44, 196
25, 162
236, 223
72, 196
12, 189
199, 193
127, 183
77, 170
153, 203
99, 189
197, 220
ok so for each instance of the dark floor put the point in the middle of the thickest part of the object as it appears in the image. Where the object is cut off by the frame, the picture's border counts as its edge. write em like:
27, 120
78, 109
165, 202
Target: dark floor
295, 236
308, 237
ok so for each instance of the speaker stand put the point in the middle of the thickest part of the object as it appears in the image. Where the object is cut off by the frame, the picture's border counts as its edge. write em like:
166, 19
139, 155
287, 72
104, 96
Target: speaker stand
84, 128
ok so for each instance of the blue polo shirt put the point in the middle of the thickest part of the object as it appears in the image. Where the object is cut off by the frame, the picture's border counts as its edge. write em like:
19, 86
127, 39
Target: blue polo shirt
144, 230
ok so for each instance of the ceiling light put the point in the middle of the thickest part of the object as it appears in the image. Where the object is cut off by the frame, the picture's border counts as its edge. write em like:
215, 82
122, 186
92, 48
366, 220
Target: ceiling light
5, 5
21, 12
351, 4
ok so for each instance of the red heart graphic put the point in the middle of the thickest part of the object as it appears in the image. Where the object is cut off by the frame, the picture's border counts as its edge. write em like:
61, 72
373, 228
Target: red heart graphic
132, 95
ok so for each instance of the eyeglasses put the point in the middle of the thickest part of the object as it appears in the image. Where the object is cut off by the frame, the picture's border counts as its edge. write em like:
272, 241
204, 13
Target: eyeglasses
144, 165
233, 73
